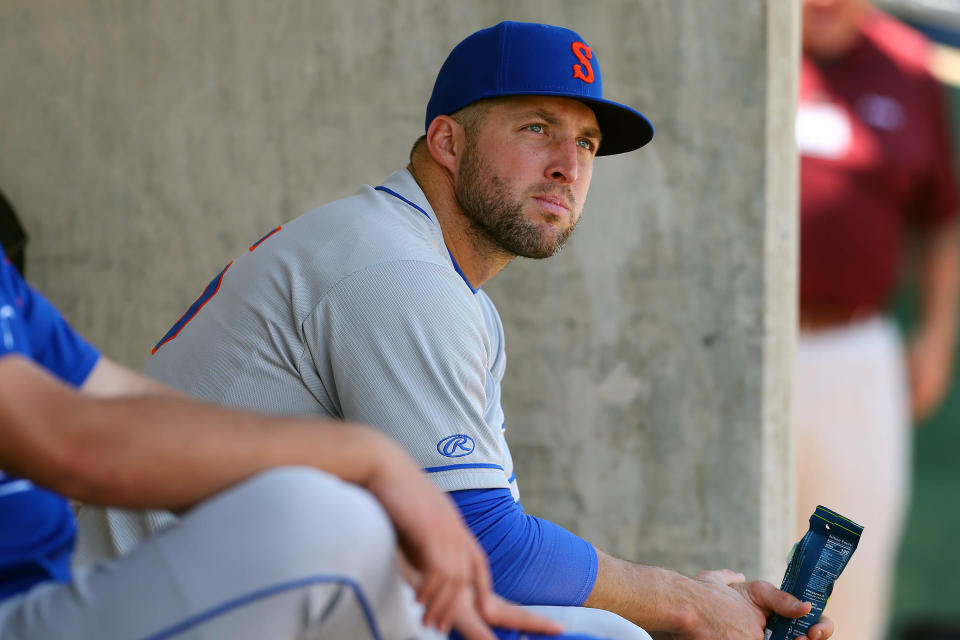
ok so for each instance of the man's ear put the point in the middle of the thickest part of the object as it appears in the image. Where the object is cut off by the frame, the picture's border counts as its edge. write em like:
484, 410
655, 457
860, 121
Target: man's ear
445, 142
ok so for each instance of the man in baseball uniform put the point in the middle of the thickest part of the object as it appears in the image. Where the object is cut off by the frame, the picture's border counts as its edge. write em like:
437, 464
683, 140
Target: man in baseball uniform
277, 538
370, 309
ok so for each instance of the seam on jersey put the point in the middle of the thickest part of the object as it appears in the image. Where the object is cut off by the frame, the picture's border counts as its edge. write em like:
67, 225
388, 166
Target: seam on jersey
305, 356
400, 197
456, 265
194, 308
229, 605
467, 465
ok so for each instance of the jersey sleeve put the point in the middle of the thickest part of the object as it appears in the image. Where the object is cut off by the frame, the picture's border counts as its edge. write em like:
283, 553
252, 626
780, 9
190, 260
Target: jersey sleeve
402, 346
533, 561
34, 328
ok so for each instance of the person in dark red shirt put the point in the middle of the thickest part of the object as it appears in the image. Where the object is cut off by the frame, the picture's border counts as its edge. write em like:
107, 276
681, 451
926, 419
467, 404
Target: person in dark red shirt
876, 167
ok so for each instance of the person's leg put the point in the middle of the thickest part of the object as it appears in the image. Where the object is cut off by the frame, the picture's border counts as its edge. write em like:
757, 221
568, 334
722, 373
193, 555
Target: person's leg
104, 533
292, 553
852, 446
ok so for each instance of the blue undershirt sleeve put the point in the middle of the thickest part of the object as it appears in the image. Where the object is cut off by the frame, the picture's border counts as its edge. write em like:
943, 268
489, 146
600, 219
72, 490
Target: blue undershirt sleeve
533, 561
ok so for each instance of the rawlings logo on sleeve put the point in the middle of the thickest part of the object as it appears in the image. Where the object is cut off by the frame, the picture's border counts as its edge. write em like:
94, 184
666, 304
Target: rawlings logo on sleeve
456, 446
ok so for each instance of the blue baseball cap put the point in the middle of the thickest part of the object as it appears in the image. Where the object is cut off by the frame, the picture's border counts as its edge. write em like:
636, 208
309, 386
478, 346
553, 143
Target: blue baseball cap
523, 58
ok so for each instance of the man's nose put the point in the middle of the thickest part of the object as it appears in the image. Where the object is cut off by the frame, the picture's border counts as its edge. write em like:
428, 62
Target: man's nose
564, 162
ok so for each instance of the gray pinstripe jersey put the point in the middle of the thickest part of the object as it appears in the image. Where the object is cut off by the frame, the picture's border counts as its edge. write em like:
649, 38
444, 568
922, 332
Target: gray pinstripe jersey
357, 310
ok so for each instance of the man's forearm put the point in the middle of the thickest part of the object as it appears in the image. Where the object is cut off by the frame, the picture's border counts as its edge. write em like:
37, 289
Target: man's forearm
164, 451
714, 604
653, 598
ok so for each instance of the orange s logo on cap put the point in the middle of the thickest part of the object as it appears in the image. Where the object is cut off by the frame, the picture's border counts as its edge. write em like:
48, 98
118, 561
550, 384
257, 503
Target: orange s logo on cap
584, 55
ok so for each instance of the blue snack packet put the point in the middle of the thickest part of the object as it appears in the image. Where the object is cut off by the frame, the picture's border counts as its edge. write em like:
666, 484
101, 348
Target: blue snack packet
815, 564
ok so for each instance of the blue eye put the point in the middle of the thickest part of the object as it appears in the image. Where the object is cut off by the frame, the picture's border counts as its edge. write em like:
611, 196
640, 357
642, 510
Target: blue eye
536, 128
586, 144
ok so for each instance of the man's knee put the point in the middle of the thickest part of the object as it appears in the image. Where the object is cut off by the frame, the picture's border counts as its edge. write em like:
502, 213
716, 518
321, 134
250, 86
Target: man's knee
305, 512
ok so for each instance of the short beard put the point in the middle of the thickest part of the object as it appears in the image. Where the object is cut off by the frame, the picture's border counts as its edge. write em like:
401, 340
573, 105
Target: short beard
485, 200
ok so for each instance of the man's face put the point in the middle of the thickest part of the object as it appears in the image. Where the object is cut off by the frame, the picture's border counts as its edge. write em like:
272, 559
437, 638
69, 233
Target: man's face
830, 26
526, 170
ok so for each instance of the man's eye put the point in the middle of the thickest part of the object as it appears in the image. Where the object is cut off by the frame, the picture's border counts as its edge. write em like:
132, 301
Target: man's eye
536, 128
586, 144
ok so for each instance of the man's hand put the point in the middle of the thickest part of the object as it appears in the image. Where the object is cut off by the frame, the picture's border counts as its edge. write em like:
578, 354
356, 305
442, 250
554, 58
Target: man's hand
452, 575
769, 599
730, 607
473, 620
714, 605
474, 623
930, 360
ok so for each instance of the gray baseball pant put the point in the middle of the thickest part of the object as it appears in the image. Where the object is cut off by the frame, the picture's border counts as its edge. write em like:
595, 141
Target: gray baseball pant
290, 553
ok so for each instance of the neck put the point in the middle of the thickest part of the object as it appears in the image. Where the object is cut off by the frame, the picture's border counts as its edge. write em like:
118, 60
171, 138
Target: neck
831, 37
479, 259
835, 48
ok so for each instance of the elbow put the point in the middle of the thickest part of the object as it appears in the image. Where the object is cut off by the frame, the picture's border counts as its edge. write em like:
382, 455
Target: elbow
51, 433
76, 479
71, 460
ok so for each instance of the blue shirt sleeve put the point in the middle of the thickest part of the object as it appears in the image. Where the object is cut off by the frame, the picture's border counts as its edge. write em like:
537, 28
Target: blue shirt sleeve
533, 561
32, 327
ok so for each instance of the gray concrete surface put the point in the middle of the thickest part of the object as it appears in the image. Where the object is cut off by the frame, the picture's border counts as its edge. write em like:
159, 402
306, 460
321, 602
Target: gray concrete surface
145, 143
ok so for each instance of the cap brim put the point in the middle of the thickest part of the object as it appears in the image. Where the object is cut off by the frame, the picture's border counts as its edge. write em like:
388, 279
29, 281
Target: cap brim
623, 128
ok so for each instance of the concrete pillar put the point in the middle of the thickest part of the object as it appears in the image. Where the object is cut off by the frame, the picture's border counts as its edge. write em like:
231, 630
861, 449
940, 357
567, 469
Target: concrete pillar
146, 143
650, 363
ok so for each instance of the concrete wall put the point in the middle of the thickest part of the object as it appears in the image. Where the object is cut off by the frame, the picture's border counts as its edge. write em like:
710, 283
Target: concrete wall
146, 143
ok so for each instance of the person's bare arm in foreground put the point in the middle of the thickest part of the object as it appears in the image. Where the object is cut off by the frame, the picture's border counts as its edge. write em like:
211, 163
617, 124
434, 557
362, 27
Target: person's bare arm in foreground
160, 450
